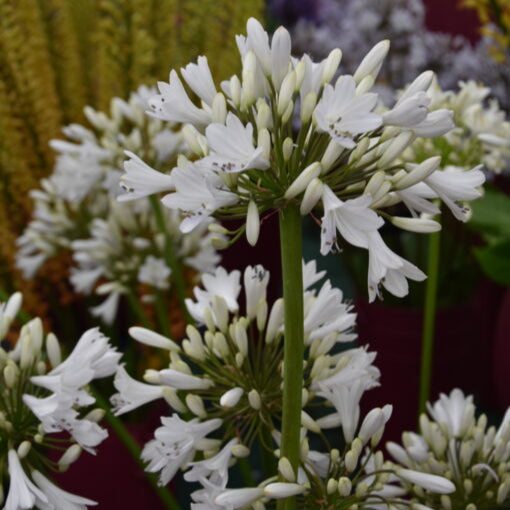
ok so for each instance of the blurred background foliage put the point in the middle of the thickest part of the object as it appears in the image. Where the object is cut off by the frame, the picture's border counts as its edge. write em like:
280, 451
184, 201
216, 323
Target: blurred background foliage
56, 56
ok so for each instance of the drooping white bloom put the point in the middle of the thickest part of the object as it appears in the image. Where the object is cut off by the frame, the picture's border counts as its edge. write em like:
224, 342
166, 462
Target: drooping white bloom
344, 115
22, 491
132, 393
215, 468
353, 219
140, 180
58, 499
174, 444
238, 498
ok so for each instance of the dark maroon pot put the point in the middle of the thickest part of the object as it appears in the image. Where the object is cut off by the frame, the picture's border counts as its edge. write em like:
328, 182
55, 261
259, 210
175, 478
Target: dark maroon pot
462, 353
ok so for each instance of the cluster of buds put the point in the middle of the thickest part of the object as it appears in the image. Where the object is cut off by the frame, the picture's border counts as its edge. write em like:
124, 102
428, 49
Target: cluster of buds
42, 395
288, 132
456, 445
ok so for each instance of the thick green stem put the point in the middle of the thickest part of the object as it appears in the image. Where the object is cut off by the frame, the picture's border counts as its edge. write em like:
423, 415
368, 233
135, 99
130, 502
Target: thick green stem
292, 275
132, 447
171, 260
429, 318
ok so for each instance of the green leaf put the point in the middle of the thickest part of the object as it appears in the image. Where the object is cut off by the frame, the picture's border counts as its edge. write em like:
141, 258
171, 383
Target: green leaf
491, 215
495, 261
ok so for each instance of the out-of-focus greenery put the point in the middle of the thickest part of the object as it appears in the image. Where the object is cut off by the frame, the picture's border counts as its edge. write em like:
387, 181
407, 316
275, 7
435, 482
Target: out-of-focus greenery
56, 56
491, 219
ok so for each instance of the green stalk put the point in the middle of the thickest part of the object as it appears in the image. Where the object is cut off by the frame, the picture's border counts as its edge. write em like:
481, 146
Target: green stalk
292, 275
162, 313
171, 260
429, 318
134, 449
138, 310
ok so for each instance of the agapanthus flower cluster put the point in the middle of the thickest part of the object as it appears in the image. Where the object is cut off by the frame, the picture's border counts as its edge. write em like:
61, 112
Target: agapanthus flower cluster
286, 131
42, 394
455, 444
481, 134
224, 386
116, 247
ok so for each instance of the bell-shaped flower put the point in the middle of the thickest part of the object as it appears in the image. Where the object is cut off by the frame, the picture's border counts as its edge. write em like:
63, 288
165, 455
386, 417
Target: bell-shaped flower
231, 147
199, 193
255, 286
140, 180
23, 493
175, 444
132, 393
343, 114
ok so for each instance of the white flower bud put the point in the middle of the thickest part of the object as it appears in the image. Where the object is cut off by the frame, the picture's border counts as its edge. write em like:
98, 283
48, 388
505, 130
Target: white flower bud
235, 90
153, 339
170, 395
239, 359
220, 309
220, 345
331, 154
27, 352
219, 108
312, 195
252, 224
281, 490
351, 460
372, 62
240, 451
308, 106
331, 65
288, 112
261, 314
361, 490
264, 142
303, 179
196, 142
13, 306
304, 449
287, 147
332, 486
275, 320
219, 243
263, 119
286, 470
344, 486
420, 225
286, 92
254, 399
375, 182
418, 173
365, 85
53, 350
72, 454
238, 498
309, 423
434, 483
231, 397
304, 397
10, 374
23, 449
395, 148
96, 415
300, 71
420, 84
195, 405
446, 502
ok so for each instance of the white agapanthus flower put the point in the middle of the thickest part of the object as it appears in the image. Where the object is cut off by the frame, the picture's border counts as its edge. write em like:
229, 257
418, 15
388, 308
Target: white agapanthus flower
287, 132
456, 445
43, 394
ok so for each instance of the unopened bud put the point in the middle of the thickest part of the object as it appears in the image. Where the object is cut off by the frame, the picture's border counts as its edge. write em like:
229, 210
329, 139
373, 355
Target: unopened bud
23, 449
286, 470
196, 405
254, 399
240, 451
312, 195
252, 223
72, 454
231, 397
331, 65
344, 486
308, 107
